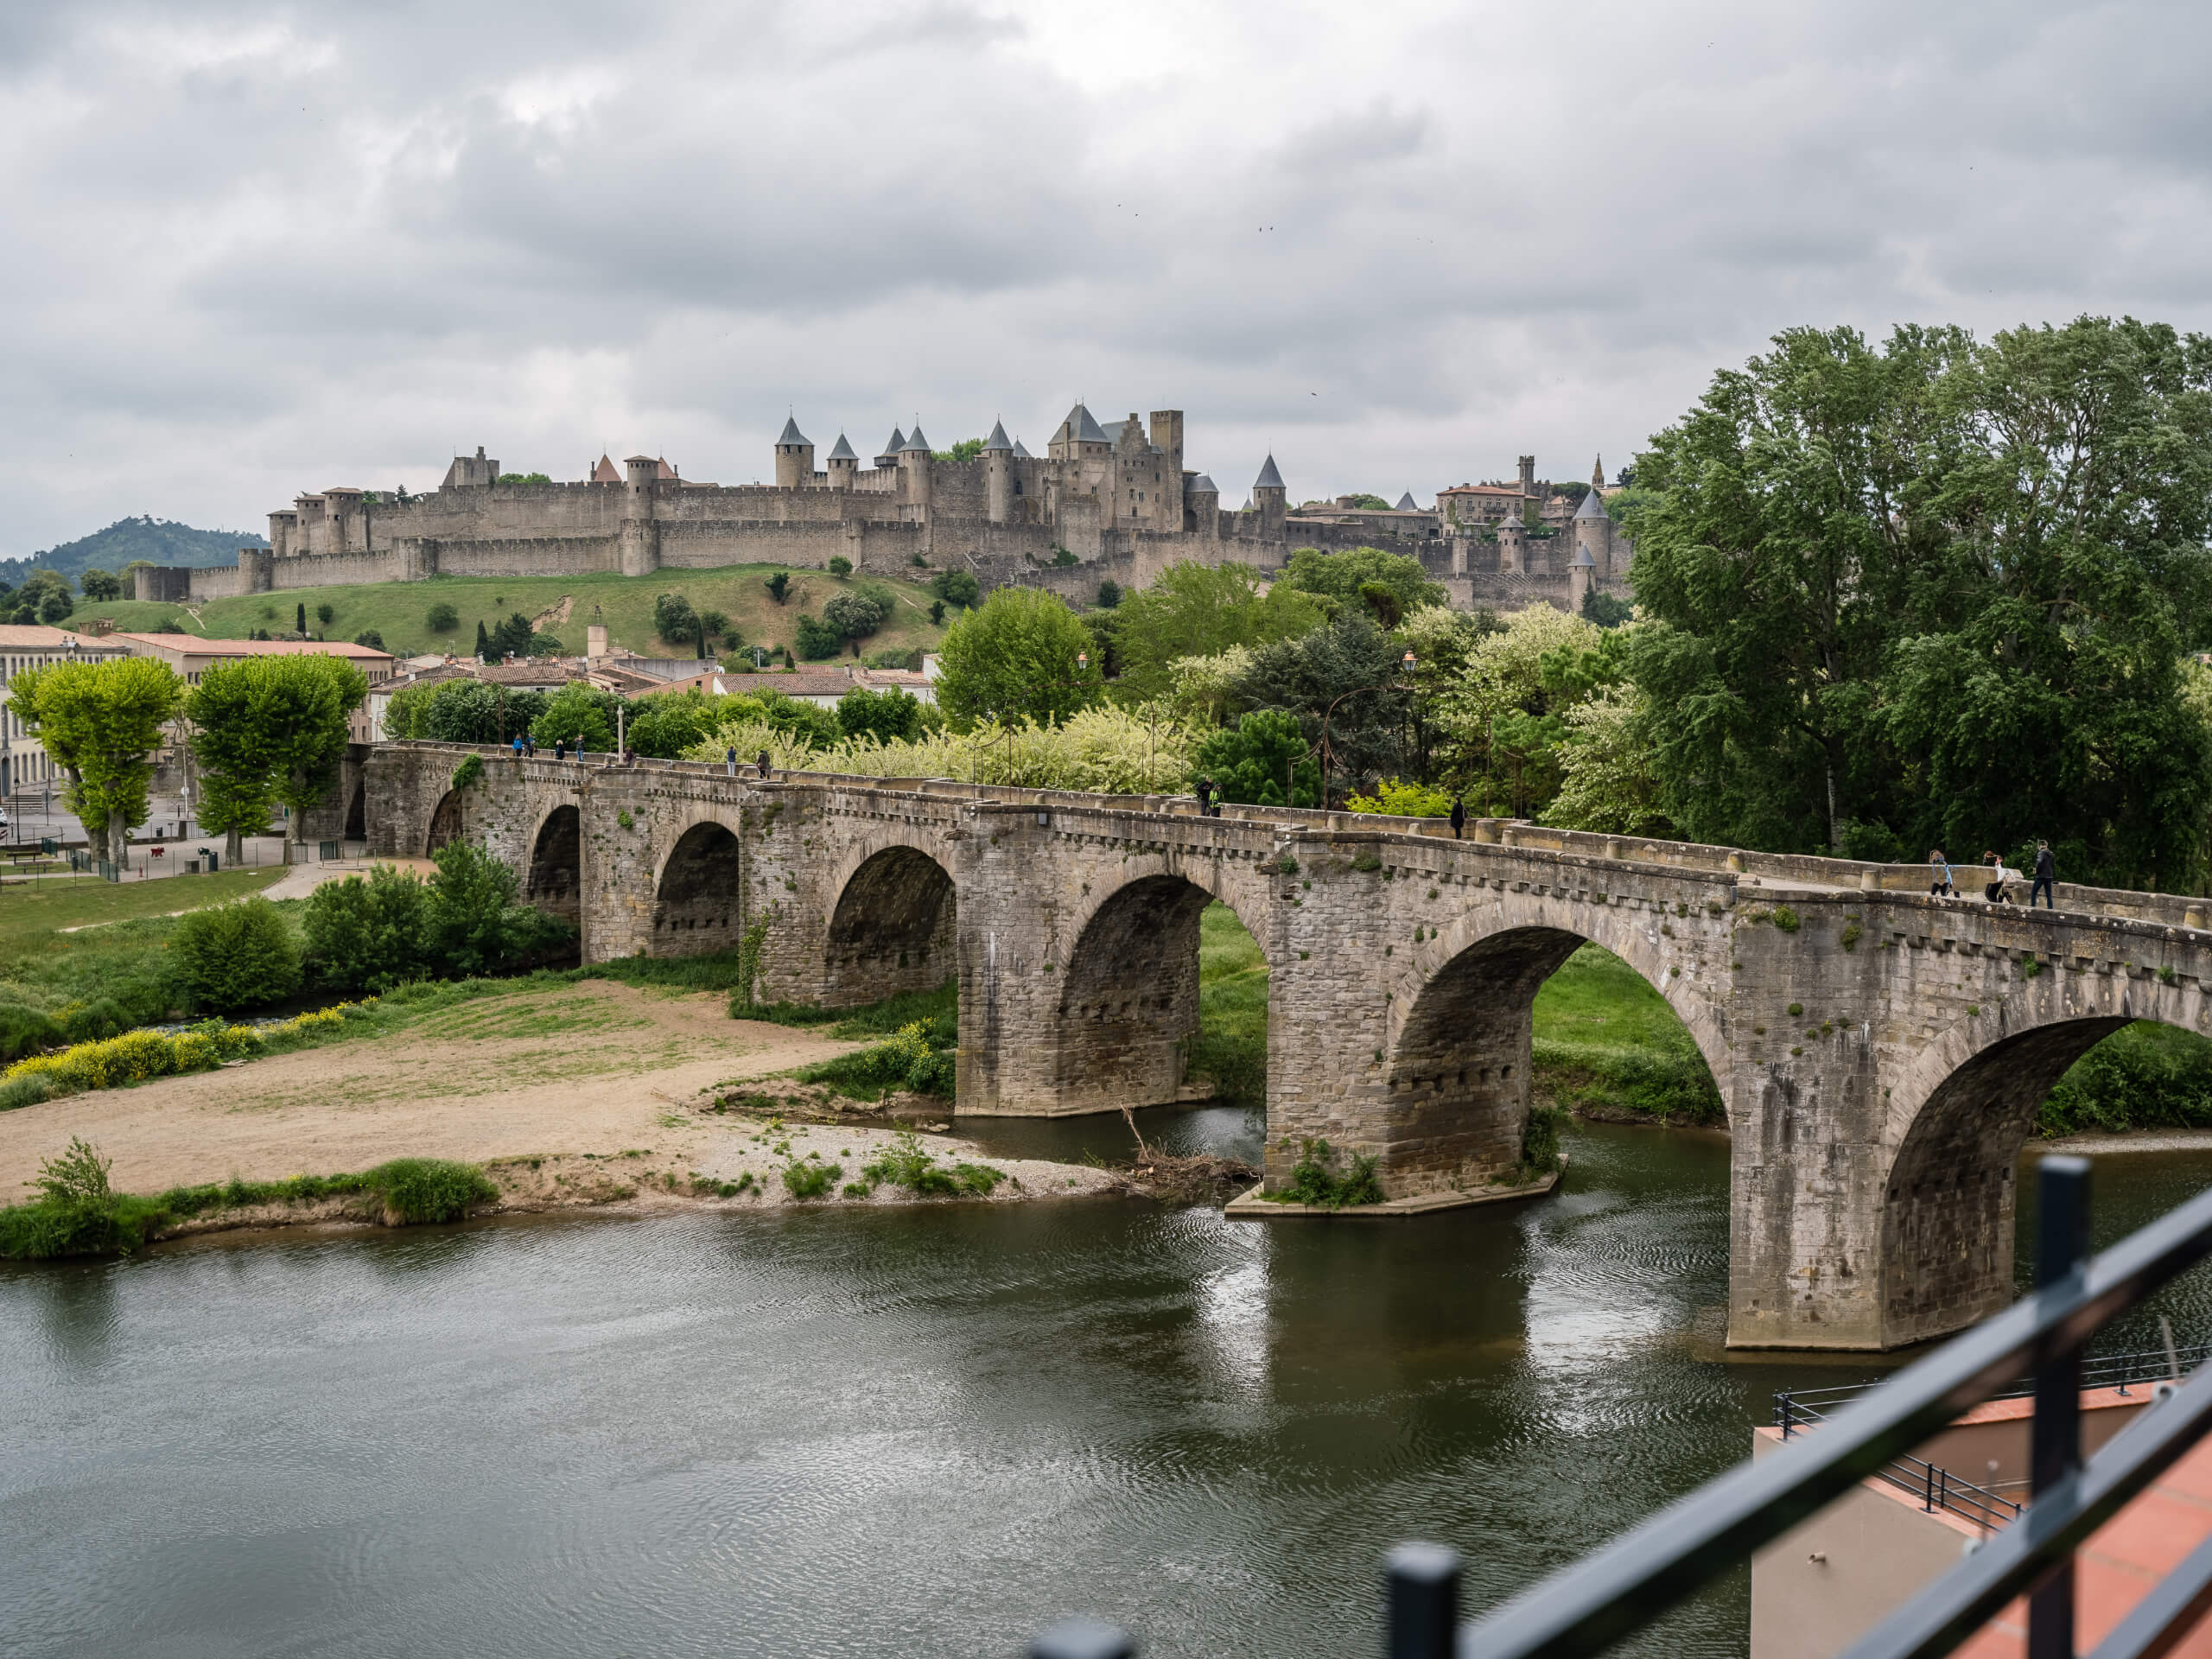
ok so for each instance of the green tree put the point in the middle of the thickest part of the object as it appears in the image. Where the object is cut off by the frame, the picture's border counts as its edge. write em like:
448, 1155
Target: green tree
957, 587
666, 723
778, 586
674, 620
285, 719
839, 566
937, 612
369, 935
99, 584
370, 637
1344, 683
483, 645
236, 956
816, 639
301, 611
891, 716
577, 711
1110, 593
1198, 610
102, 722
326, 613
471, 925
1936, 593
238, 774
966, 449
442, 618
525, 477
1023, 654
1264, 761
1342, 576
855, 615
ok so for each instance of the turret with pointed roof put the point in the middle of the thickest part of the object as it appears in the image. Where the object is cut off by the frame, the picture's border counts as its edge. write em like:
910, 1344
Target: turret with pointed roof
1405, 504
1270, 498
889, 455
998, 475
997, 440
843, 466
1269, 479
842, 450
794, 457
915, 441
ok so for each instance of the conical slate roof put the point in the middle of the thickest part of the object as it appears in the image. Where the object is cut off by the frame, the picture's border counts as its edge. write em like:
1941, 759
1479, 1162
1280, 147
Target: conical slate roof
790, 433
1269, 479
843, 451
1591, 507
898, 442
1406, 503
997, 440
1080, 425
1203, 485
1020, 453
1582, 557
916, 441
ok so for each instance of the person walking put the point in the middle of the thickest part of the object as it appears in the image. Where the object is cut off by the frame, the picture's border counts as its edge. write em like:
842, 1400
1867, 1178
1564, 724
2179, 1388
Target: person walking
1206, 792
1997, 891
729, 760
560, 748
763, 764
1459, 817
2046, 877
1939, 869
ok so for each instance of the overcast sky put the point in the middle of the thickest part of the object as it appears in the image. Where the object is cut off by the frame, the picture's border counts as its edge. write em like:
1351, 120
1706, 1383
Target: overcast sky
250, 249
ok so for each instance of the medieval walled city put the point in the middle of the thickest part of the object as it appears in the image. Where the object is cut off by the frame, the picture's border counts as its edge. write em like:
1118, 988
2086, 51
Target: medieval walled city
1112, 501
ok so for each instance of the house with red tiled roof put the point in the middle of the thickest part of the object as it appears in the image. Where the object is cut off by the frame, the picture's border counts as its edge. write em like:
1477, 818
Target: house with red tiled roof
24, 764
192, 656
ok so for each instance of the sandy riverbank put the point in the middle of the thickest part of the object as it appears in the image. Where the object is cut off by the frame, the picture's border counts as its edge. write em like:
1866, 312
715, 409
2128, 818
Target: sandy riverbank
594, 1093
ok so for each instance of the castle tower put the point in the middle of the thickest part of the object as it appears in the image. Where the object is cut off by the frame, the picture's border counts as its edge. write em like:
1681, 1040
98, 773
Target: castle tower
1202, 503
888, 456
914, 462
844, 464
1270, 497
1580, 574
1512, 547
794, 458
1528, 476
998, 475
1593, 533
640, 535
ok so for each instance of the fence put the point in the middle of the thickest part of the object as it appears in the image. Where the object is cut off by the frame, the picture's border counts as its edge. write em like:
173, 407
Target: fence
1632, 1581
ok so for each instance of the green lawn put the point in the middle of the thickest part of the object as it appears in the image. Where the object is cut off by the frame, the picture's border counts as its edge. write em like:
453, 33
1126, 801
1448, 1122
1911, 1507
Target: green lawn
399, 610
1607, 1045
31, 914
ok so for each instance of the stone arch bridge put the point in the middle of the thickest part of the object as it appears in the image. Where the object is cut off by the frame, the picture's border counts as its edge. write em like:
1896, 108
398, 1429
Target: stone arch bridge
1881, 1053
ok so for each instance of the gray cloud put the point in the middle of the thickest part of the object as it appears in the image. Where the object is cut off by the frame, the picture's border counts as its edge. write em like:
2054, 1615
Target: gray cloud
261, 248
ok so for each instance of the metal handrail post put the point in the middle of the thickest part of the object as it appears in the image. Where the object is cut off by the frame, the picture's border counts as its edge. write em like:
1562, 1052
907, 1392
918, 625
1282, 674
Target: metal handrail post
2055, 1451
1424, 1601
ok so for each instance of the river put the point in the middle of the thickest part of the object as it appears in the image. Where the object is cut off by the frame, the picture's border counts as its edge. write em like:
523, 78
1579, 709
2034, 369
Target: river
926, 1431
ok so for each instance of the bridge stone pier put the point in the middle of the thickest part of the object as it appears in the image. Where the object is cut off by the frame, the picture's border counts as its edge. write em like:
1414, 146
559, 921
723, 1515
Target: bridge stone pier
1881, 1053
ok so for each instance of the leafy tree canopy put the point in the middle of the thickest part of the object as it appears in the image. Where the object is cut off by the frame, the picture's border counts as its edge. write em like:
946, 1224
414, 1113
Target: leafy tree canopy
1015, 656
102, 722
1937, 593
1198, 610
1262, 761
1341, 575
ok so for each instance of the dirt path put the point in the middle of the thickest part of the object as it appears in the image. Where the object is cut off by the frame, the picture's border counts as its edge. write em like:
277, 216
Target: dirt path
573, 1077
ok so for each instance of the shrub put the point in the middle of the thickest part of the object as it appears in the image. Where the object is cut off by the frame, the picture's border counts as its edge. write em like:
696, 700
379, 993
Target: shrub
368, 935
236, 955
957, 587
23, 1092
1540, 1143
674, 620
854, 615
1314, 1181
817, 640
1402, 799
1786, 919
469, 924
75, 1214
778, 586
442, 618
101, 1018
810, 1178
24, 1031
370, 637
918, 1058
907, 1163
326, 613
419, 1190
839, 566
1110, 593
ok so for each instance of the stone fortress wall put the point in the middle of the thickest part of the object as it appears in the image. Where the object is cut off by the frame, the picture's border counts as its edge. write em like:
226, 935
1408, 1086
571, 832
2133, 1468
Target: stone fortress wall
1116, 497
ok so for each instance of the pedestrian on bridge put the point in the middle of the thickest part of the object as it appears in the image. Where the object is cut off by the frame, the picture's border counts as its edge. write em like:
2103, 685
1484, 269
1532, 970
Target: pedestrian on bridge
2046, 877
1997, 891
1459, 817
729, 760
560, 748
764, 765
1940, 867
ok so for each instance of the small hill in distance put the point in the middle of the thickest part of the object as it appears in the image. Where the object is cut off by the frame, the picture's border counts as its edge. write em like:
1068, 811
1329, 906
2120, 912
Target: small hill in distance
158, 541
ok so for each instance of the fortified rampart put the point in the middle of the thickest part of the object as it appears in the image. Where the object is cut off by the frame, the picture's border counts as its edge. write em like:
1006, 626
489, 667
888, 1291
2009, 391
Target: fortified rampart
1116, 499
1880, 1053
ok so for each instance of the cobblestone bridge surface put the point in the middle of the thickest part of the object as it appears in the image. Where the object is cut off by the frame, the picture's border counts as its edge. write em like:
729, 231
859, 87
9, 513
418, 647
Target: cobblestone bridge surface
1880, 1053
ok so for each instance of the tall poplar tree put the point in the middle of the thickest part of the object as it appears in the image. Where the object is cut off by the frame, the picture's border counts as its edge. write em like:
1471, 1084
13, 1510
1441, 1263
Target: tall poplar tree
102, 723
274, 727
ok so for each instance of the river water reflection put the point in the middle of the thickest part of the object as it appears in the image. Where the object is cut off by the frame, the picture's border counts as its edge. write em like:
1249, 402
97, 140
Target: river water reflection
917, 1432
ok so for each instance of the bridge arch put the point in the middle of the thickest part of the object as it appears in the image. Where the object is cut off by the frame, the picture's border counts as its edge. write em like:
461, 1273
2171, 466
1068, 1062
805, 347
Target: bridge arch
894, 925
1127, 1010
698, 892
1456, 1074
1958, 1120
555, 880
448, 823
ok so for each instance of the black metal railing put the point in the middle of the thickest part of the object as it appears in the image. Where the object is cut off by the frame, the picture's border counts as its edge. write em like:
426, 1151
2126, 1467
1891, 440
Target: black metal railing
1669, 1557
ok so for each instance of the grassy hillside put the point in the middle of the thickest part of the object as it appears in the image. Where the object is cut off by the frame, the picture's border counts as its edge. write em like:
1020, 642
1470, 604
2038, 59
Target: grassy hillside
399, 610
159, 541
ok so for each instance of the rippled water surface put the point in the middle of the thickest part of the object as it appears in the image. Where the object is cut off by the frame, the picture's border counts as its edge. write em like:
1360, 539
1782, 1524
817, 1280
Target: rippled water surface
881, 1431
